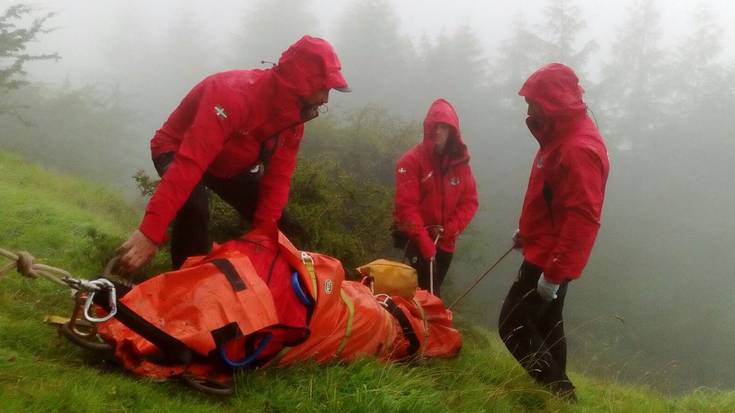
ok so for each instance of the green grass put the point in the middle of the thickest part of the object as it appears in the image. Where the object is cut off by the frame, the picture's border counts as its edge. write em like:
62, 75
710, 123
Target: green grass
74, 224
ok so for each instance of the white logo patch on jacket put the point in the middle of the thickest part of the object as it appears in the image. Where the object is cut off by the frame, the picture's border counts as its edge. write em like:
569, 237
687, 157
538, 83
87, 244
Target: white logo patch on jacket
220, 112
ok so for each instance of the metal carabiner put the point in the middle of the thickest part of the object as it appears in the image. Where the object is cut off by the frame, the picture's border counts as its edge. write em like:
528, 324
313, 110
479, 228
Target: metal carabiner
101, 284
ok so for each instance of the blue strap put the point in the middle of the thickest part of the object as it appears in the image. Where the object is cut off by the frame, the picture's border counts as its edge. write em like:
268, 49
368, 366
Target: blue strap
296, 285
248, 359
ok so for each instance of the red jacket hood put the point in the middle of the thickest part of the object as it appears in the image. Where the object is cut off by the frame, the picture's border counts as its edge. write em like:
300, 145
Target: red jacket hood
555, 87
308, 65
305, 67
441, 111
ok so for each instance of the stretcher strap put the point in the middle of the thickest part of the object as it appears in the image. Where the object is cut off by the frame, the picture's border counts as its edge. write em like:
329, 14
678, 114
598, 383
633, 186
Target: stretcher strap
309, 264
172, 349
229, 271
226, 333
425, 321
406, 327
350, 316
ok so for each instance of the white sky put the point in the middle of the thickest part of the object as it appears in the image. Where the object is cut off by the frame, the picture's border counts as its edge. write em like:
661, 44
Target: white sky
82, 23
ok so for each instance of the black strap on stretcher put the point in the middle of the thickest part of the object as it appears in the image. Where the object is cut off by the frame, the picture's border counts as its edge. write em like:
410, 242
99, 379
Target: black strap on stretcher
174, 351
406, 326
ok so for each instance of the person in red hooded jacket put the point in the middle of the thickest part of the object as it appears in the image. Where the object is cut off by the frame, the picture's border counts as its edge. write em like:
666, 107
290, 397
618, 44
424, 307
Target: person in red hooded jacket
236, 133
558, 224
436, 195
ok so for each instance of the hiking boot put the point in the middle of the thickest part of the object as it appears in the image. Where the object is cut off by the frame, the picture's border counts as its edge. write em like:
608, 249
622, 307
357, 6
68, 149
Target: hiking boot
563, 389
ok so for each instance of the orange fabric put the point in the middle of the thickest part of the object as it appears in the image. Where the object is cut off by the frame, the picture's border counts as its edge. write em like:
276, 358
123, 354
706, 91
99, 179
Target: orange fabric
346, 323
188, 304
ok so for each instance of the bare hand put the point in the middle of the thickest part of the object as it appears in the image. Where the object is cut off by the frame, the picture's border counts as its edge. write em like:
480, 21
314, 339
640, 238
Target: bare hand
137, 251
436, 230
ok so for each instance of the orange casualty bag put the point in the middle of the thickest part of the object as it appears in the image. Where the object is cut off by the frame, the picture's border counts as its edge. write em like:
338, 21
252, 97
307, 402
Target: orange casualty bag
258, 301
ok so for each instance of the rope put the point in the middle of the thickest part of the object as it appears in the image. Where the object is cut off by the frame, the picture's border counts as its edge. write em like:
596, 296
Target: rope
431, 267
477, 281
24, 264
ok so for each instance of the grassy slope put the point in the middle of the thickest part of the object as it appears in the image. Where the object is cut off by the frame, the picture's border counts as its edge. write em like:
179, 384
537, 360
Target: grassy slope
73, 224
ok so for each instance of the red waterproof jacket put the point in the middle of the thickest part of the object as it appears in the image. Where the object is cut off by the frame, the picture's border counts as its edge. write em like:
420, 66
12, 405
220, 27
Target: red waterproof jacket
563, 204
232, 121
435, 189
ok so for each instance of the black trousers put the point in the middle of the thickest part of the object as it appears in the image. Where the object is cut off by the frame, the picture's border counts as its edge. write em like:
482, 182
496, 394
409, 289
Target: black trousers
190, 231
441, 266
533, 329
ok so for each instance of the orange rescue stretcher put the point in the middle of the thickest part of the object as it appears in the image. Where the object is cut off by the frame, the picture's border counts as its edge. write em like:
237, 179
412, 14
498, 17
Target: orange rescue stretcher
255, 302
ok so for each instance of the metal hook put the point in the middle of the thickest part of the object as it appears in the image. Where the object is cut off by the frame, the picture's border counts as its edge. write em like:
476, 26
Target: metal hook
102, 284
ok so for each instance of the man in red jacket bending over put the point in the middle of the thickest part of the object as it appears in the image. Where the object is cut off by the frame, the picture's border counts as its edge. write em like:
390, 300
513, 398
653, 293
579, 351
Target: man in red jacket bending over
436, 195
237, 133
558, 224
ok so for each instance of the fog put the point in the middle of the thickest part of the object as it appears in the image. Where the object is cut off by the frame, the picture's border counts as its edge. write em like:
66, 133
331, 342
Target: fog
655, 302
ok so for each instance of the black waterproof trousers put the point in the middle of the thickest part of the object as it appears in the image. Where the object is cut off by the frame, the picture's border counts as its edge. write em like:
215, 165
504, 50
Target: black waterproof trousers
441, 266
533, 329
190, 231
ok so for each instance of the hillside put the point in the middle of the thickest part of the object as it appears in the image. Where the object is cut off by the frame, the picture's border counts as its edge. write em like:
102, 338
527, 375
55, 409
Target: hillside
74, 224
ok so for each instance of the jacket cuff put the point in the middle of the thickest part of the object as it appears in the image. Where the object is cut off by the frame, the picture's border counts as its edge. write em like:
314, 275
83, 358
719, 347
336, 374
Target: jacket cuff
150, 231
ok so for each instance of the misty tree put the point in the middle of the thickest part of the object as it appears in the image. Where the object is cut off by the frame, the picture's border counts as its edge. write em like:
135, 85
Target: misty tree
698, 75
269, 29
378, 61
133, 55
83, 130
700, 111
187, 55
15, 36
632, 90
455, 67
560, 30
156, 66
519, 56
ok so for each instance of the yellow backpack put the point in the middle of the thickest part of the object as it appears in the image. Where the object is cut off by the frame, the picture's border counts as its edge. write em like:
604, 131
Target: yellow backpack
390, 277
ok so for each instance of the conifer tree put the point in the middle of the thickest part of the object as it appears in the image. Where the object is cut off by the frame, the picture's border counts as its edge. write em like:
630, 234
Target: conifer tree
15, 36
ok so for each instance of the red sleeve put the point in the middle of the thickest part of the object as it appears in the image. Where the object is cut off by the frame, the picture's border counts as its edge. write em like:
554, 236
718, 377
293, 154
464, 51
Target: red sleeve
276, 182
213, 121
466, 208
582, 192
408, 197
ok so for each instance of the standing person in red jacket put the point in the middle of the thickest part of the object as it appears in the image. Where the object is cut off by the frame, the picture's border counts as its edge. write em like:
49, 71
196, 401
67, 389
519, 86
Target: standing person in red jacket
558, 225
237, 133
436, 195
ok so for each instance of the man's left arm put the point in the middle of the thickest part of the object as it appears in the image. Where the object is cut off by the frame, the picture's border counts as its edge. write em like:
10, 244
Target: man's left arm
466, 208
276, 182
581, 193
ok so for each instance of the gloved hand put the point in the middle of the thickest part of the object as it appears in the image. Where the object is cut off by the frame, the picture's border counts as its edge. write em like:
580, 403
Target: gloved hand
517, 241
426, 246
546, 289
